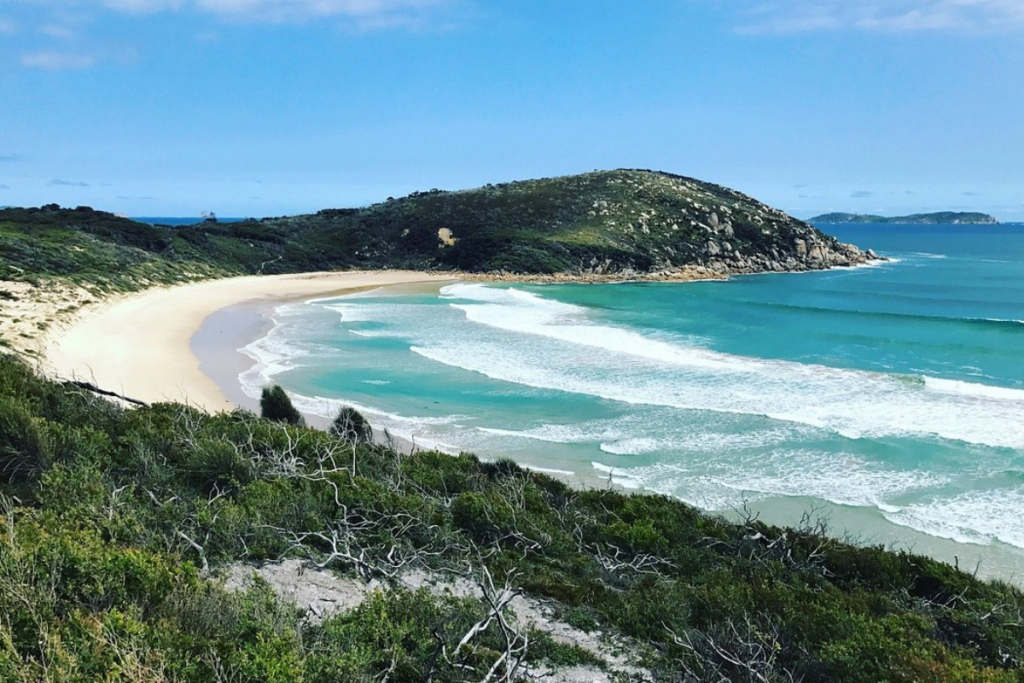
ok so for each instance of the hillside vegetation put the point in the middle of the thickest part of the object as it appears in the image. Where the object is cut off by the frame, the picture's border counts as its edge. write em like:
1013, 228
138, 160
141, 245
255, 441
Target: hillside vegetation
612, 222
115, 524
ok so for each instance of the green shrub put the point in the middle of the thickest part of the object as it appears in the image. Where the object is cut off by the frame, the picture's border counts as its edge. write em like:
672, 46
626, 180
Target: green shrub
275, 405
350, 425
23, 449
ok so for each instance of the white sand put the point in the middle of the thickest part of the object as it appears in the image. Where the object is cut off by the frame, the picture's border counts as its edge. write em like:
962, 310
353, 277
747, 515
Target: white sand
139, 345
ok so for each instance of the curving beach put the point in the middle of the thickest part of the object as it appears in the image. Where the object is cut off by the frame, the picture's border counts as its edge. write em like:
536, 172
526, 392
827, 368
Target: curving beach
139, 345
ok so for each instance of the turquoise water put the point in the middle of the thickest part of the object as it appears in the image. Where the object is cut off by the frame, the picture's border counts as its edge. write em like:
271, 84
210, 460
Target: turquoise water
893, 394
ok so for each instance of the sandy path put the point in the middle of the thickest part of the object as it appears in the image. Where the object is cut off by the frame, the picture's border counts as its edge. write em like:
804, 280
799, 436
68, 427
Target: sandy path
139, 346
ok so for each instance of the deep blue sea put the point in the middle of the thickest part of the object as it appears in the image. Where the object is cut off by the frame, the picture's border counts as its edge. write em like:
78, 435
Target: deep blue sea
890, 397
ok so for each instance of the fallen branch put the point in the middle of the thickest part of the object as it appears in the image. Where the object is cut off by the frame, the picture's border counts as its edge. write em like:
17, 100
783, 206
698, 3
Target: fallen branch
88, 386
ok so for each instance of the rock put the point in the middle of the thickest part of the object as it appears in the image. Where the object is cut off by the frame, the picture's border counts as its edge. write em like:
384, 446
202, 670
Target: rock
871, 255
713, 249
446, 237
801, 248
713, 219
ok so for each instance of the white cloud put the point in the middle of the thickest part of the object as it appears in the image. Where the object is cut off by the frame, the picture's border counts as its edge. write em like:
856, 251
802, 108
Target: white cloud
363, 14
798, 16
7, 26
142, 6
383, 13
57, 61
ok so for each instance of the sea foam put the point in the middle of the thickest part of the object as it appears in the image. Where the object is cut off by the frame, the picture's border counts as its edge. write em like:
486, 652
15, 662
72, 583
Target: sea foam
557, 346
979, 517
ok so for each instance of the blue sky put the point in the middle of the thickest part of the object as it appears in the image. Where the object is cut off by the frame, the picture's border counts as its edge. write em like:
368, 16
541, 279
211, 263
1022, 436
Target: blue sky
270, 107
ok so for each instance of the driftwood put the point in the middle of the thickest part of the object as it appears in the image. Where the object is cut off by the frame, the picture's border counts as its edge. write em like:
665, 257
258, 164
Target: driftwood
88, 386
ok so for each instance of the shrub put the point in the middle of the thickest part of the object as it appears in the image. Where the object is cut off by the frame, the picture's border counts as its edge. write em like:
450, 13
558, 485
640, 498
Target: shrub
23, 453
350, 425
275, 405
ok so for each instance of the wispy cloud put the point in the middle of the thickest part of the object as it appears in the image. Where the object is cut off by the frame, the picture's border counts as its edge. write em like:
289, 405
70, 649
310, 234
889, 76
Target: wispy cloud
5, 187
801, 16
7, 26
56, 182
968, 194
57, 61
141, 6
367, 13
861, 194
9, 157
362, 14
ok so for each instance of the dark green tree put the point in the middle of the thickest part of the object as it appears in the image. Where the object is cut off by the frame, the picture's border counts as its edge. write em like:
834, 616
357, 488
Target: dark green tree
350, 425
275, 405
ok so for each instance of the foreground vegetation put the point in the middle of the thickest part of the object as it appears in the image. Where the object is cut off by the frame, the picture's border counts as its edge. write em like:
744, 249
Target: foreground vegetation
115, 522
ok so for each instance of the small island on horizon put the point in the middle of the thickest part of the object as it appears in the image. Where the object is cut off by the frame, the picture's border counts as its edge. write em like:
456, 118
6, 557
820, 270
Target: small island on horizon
936, 218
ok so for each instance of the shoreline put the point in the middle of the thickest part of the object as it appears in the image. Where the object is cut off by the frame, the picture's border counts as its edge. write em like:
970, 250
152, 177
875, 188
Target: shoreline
127, 342
140, 345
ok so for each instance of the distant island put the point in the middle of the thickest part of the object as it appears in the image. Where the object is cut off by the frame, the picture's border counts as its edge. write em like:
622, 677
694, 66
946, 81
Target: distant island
939, 217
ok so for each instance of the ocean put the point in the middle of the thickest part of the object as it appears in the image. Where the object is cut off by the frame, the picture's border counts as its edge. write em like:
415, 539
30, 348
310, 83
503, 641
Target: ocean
180, 221
888, 399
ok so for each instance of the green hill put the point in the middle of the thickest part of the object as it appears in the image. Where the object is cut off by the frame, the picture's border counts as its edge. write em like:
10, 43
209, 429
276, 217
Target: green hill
613, 223
941, 217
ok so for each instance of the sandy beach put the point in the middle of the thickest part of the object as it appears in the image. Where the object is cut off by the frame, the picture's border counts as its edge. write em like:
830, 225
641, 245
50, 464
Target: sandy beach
140, 345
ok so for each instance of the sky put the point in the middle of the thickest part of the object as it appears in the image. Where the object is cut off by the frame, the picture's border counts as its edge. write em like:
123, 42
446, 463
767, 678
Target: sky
274, 107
